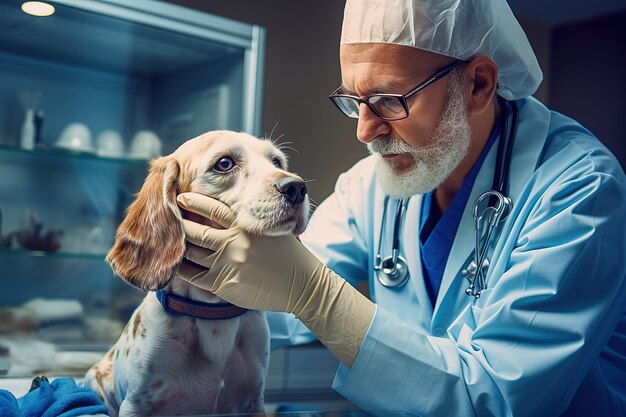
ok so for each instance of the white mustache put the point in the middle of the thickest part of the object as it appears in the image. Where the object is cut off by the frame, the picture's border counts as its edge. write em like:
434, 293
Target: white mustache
387, 145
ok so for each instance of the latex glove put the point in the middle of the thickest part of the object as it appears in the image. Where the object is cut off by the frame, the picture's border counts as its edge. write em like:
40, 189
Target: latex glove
273, 273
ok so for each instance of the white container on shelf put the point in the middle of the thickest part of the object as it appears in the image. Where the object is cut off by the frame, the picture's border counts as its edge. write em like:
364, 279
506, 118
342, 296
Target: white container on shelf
145, 145
75, 137
110, 144
27, 133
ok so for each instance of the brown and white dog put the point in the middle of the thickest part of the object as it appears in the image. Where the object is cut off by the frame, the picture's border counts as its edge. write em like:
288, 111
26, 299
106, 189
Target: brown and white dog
170, 364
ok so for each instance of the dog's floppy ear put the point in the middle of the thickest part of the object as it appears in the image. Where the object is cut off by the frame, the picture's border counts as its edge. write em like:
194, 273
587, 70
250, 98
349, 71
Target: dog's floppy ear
150, 242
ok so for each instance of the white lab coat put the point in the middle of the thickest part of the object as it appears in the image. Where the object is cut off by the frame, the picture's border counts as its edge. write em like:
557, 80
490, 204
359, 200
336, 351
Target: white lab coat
548, 335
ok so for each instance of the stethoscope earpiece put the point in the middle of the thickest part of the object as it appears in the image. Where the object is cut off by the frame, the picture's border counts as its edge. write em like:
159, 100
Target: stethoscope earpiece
497, 208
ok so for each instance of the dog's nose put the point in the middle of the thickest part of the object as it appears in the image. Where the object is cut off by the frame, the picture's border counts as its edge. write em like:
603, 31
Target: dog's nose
292, 188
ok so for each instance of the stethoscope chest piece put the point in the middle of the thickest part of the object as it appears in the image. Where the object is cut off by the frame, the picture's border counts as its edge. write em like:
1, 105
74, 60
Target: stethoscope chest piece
392, 270
393, 273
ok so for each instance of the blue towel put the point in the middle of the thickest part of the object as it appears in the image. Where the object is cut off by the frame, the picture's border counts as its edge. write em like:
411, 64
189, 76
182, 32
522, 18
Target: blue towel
59, 398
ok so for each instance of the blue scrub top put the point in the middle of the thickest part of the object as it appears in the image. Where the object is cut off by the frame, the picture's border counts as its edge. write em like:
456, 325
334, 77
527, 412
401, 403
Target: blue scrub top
437, 231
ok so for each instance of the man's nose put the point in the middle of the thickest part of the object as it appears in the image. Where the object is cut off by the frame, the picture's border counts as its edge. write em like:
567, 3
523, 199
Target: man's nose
370, 126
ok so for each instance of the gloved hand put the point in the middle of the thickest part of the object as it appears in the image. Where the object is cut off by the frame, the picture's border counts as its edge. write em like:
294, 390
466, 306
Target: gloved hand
275, 274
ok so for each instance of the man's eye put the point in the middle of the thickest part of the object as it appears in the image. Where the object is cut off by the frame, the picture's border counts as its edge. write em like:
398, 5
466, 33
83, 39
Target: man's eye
277, 163
224, 164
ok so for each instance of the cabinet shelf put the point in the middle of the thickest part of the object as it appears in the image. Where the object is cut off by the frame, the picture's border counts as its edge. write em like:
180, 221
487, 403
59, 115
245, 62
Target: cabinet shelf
72, 155
59, 254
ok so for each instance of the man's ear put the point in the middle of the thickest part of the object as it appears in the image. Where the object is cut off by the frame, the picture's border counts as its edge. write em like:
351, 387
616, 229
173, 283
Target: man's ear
482, 73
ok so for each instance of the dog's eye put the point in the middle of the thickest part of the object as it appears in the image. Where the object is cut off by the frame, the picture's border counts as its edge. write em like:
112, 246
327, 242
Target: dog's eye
225, 164
277, 163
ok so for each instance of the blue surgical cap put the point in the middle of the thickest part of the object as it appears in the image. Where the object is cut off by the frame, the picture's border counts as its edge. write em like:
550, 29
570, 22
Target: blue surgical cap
461, 29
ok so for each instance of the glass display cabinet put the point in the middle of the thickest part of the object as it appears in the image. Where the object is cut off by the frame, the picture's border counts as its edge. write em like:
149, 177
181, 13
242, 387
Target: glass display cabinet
87, 96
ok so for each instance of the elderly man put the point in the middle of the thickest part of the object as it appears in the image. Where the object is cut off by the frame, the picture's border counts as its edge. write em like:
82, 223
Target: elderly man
441, 91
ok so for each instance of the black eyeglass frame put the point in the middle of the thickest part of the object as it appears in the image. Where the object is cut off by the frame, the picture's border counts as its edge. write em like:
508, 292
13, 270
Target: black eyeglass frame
402, 98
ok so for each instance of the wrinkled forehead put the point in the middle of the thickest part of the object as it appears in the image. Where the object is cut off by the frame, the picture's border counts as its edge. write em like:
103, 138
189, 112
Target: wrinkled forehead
197, 153
399, 60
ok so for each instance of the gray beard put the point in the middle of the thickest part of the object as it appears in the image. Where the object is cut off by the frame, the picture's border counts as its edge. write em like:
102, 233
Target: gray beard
432, 164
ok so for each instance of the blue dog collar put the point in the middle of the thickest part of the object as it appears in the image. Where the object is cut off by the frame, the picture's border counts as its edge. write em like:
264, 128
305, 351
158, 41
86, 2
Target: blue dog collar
175, 304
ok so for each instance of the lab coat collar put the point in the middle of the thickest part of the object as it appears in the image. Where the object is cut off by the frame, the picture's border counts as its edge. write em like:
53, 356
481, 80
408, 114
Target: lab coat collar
412, 251
531, 134
409, 246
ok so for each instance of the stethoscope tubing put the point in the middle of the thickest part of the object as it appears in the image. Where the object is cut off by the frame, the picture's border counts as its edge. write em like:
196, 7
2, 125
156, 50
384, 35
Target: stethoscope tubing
498, 207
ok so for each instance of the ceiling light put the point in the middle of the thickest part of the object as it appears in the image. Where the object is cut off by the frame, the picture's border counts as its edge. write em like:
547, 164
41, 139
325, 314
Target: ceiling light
38, 8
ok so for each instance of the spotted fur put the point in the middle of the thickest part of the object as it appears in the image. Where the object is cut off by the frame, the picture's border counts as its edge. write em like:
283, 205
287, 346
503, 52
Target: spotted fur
166, 364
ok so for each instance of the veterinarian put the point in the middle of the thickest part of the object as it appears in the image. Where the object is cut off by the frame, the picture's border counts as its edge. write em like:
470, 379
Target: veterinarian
541, 329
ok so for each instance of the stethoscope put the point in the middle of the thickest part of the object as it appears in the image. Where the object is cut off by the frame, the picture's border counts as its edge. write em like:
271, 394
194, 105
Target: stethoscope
392, 270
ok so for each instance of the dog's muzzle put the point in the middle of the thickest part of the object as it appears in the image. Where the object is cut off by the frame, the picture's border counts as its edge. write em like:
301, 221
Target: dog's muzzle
292, 188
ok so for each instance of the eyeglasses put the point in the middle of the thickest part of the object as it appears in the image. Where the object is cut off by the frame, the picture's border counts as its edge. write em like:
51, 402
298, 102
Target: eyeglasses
386, 106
